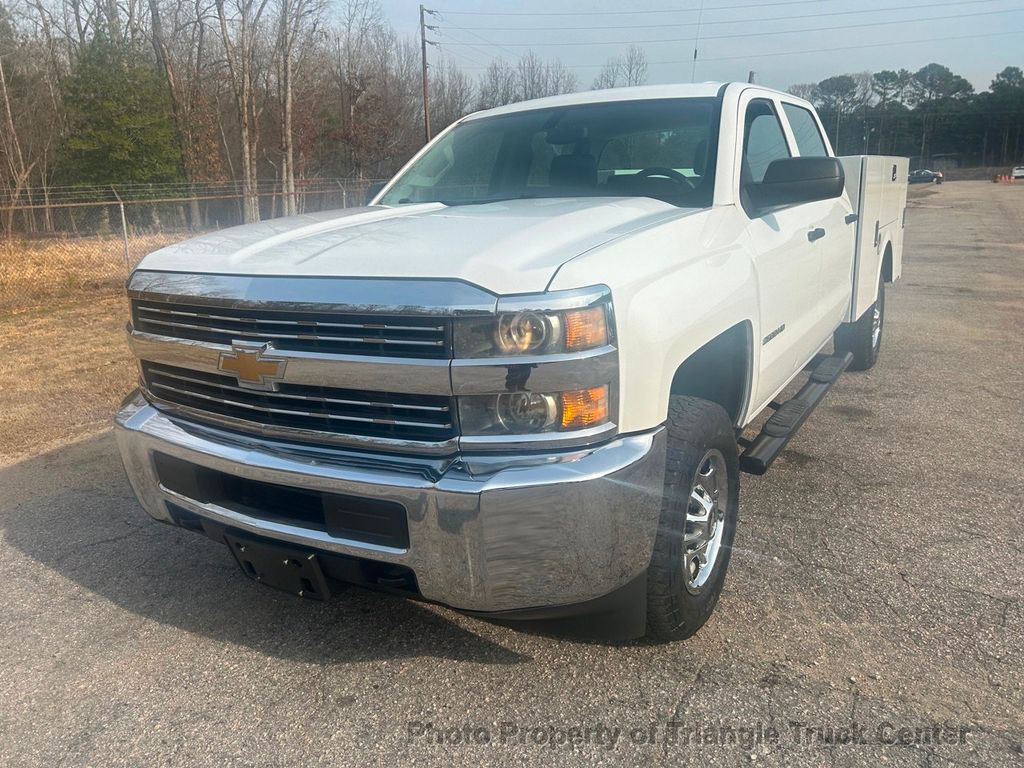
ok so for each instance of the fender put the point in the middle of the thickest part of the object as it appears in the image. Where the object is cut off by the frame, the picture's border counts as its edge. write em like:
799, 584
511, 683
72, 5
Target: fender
888, 250
675, 286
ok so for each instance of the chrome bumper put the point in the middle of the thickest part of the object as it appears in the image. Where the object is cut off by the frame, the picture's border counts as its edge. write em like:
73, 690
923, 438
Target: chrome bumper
496, 534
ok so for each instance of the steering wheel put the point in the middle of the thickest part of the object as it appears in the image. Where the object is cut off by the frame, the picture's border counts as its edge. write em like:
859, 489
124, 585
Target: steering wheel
669, 173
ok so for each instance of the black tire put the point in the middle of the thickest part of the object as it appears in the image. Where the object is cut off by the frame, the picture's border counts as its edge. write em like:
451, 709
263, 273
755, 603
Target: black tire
696, 429
859, 337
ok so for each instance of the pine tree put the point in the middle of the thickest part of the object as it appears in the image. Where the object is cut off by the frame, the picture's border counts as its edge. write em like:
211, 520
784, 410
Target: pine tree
120, 124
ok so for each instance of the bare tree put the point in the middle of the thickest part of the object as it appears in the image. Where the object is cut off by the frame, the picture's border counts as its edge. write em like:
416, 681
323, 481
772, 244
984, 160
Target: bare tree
803, 90
240, 27
536, 77
295, 17
375, 79
560, 79
354, 44
610, 75
181, 58
11, 147
31, 123
619, 71
451, 94
865, 88
497, 85
635, 66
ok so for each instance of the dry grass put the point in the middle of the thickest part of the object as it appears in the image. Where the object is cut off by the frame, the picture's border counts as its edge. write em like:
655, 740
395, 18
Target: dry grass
35, 273
62, 374
66, 364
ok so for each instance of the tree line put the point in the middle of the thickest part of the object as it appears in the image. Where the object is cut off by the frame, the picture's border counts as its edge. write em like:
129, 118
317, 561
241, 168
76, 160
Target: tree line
189, 92
257, 92
929, 115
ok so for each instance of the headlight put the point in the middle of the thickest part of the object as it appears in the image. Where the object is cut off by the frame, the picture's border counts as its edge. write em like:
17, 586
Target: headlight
544, 365
526, 411
525, 332
521, 413
535, 330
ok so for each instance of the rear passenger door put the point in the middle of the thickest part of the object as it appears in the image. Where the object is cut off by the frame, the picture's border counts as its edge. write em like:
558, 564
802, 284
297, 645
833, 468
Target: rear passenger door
835, 249
786, 263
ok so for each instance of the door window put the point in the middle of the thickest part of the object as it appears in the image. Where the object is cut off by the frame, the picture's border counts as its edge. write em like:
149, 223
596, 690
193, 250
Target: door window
763, 141
805, 131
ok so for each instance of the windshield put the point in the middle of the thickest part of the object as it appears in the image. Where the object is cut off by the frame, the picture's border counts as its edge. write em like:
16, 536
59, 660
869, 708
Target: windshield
658, 148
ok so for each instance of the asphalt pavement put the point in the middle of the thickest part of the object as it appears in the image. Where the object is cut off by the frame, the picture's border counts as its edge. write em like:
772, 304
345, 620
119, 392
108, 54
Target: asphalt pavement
872, 613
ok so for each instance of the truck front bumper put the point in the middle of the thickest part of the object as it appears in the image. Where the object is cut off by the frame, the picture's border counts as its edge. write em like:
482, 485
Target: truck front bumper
519, 533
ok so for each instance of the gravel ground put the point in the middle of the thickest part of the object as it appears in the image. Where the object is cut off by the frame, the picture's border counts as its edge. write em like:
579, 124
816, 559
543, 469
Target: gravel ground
875, 594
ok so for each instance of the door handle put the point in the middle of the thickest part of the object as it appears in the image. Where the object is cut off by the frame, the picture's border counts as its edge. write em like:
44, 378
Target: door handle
850, 218
816, 234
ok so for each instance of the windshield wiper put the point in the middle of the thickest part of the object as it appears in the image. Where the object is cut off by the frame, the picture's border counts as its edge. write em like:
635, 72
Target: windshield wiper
485, 200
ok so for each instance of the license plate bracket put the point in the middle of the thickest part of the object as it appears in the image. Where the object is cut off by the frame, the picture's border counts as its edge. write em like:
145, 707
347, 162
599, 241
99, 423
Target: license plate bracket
289, 569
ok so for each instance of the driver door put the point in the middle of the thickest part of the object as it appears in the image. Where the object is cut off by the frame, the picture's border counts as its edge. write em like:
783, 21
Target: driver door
786, 263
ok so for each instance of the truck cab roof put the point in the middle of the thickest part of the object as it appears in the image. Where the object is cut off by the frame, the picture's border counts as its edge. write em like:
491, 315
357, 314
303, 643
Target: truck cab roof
636, 93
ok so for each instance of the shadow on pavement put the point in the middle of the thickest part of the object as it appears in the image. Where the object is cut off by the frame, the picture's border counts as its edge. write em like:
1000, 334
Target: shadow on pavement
72, 511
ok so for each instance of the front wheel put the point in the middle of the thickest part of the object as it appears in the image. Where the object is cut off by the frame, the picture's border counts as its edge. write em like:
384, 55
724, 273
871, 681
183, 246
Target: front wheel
864, 337
698, 519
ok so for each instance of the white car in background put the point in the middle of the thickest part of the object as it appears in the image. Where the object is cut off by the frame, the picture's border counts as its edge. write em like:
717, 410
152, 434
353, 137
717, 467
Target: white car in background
1018, 172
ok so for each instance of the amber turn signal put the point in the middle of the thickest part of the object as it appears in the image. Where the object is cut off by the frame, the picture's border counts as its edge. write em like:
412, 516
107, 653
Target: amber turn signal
585, 328
584, 407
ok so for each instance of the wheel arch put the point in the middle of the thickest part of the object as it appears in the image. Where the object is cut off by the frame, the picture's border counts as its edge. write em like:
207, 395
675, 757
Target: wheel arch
721, 371
886, 266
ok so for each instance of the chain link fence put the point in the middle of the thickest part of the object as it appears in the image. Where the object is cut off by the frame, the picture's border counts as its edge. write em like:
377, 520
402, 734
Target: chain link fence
62, 247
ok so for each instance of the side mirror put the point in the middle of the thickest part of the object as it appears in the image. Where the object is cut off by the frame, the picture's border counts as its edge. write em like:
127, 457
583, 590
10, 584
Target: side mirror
372, 190
795, 180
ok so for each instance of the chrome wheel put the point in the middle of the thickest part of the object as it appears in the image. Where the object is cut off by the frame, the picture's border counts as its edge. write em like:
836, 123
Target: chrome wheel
876, 326
705, 520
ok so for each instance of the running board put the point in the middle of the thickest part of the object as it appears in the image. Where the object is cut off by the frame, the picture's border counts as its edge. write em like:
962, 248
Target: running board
790, 416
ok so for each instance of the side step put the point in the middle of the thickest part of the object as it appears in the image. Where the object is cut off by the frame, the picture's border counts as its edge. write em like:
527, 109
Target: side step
790, 416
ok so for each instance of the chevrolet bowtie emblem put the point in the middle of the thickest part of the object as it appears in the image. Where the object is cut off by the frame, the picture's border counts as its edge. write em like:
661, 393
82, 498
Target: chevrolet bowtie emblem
252, 368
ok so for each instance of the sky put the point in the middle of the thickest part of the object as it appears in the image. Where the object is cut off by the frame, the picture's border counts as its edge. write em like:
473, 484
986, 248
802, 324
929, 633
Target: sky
815, 37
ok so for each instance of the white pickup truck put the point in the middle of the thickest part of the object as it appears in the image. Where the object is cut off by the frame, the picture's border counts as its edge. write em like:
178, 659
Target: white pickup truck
516, 383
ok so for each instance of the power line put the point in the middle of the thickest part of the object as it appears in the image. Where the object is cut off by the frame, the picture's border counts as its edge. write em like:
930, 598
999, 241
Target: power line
862, 45
661, 25
464, 55
626, 13
818, 50
755, 34
478, 37
442, 46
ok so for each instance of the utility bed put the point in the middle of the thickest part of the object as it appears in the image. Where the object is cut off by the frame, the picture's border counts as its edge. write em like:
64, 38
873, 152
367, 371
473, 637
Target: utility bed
877, 186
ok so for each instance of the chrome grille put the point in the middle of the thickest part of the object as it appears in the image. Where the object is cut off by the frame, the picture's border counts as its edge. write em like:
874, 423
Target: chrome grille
380, 335
301, 407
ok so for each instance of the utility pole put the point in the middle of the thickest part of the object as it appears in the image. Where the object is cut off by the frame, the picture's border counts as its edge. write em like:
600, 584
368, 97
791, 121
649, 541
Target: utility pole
423, 52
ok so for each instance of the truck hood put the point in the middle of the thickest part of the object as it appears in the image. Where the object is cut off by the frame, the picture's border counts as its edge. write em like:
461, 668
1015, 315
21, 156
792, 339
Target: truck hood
506, 247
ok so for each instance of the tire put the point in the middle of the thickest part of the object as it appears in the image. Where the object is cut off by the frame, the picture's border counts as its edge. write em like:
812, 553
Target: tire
680, 599
860, 337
